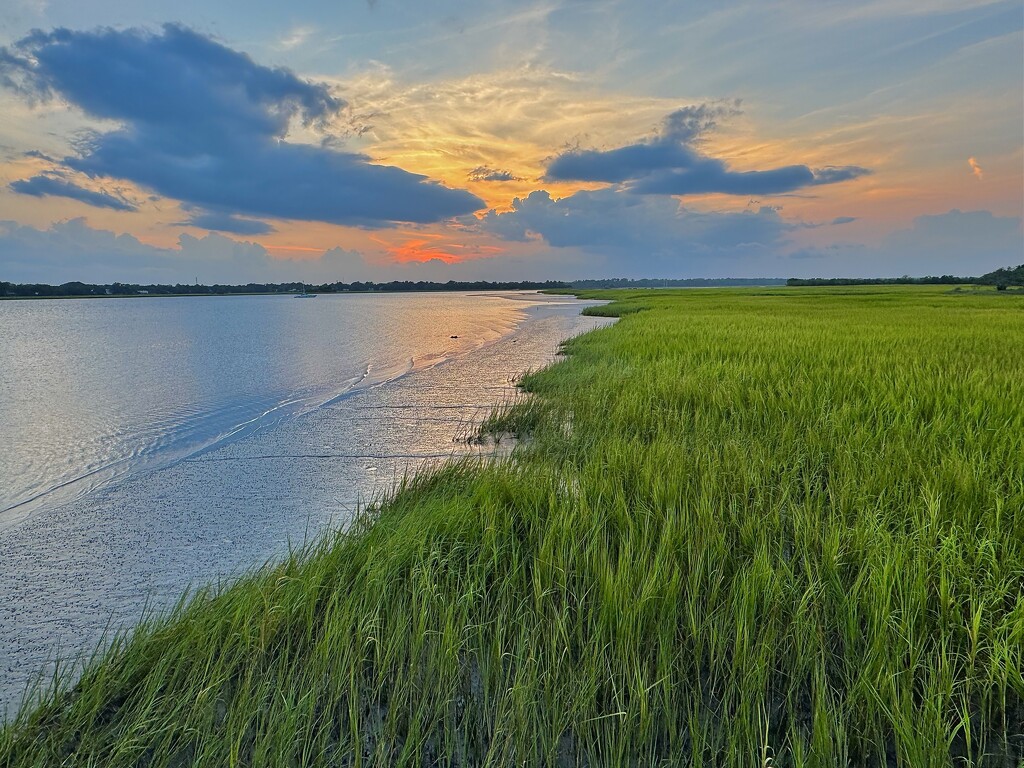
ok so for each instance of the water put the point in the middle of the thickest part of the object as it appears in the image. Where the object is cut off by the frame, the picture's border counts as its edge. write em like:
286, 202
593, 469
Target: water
94, 390
148, 445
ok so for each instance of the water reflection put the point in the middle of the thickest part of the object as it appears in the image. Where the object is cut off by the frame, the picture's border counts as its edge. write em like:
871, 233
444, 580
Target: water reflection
97, 389
70, 570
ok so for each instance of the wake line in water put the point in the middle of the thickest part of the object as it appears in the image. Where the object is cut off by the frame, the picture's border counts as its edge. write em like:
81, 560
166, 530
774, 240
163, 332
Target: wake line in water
171, 442
181, 439
272, 456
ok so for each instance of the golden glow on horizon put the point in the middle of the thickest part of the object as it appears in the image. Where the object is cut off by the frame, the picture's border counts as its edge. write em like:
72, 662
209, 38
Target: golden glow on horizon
427, 247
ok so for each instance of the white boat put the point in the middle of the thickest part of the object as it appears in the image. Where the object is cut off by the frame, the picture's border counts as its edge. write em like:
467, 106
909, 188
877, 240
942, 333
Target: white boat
305, 294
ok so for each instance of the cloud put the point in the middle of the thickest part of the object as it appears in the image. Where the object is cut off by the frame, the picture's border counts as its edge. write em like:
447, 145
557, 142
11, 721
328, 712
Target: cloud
295, 37
975, 168
47, 186
507, 118
483, 173
669, 164
72, 250
609, 232
640, 236
668, 148
225, 222
206, 125
833, 174
423, 247
707, 176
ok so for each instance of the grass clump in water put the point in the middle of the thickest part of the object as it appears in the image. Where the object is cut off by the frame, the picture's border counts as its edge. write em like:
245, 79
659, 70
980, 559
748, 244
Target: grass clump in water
756, 524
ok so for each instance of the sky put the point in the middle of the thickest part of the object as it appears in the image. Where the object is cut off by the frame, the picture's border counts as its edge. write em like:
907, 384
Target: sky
343, 140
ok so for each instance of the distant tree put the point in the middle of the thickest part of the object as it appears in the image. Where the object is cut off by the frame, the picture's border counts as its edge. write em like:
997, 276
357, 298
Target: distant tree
1005, 276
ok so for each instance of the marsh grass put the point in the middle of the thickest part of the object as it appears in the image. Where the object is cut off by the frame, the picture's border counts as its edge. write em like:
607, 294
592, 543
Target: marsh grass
747, 527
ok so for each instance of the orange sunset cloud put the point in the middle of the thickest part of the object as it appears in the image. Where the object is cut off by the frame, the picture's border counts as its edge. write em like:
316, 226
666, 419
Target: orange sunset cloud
425, 248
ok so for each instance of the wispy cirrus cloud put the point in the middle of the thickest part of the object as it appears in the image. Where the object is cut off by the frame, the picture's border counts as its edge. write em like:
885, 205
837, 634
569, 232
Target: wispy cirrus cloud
477, 128
206, 125
296, 37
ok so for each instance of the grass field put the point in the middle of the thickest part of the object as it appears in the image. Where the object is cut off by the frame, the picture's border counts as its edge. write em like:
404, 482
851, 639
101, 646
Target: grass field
747, 525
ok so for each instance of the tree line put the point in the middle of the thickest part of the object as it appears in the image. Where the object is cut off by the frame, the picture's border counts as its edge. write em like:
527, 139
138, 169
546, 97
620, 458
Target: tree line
692, 282
182, 289
1000, 278
76, 289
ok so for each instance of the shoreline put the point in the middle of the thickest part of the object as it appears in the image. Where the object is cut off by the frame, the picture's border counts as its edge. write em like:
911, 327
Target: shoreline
136, 515
292, 293
65, 488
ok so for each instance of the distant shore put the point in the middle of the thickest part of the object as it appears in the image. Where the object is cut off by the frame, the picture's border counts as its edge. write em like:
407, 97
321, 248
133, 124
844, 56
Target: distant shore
1001, 279
125, 290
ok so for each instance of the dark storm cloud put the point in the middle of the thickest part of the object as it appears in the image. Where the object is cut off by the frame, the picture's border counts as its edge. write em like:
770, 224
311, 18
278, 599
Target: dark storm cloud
47, 186
669, 164
206, 125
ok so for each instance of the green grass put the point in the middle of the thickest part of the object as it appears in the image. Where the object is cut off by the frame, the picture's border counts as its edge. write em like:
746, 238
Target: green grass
781, 524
